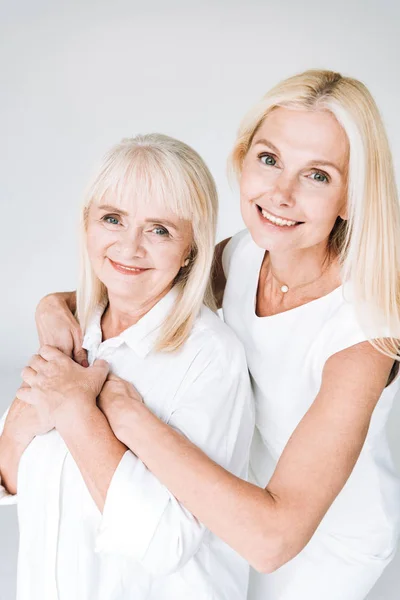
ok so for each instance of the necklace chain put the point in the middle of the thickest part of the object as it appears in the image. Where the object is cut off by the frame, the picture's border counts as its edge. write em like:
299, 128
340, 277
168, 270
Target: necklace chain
285, 288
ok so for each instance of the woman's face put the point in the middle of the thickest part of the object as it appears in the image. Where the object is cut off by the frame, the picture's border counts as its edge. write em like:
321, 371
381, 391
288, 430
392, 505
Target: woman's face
294, 180
136, 251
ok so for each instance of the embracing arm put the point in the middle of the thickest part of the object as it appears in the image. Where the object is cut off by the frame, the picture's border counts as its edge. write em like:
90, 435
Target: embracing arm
270, 526
57, 326
218, 279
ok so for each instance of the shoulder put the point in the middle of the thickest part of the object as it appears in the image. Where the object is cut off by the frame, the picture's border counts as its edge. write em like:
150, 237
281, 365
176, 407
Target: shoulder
343, 329
214, 342
235, 246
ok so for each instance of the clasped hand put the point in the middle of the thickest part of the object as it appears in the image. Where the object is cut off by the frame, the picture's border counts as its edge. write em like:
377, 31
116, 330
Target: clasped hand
59, 387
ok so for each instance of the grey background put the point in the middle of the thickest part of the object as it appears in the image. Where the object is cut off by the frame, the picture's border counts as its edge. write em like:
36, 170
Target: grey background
78, 76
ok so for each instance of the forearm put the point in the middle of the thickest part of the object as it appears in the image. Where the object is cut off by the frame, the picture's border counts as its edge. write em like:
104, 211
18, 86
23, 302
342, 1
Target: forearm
69, 298
11, 451
94, 447
245, 516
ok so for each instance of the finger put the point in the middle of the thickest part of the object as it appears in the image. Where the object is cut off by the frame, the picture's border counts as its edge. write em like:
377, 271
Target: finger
80, 356
28, 375
50, 353
37, 363
113, 377
25, 395
99, 371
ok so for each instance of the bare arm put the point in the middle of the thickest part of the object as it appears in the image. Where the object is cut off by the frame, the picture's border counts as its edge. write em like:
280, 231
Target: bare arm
17, 429
93, 446
218, 278
270, 526
57, 326
12, 446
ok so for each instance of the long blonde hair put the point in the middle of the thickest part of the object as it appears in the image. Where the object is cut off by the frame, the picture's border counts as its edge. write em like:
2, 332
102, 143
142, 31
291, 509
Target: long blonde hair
368, 243
159, 167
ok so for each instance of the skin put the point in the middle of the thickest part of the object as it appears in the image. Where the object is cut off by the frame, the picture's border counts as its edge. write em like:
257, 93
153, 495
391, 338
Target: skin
290, 178
58, 392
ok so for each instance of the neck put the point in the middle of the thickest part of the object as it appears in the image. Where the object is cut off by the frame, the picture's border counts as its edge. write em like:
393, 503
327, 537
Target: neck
122, 313
296, 268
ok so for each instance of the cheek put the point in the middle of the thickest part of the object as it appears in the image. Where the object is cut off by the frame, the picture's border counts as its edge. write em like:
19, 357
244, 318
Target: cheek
168, 259
323, 208
97, 242
254, 184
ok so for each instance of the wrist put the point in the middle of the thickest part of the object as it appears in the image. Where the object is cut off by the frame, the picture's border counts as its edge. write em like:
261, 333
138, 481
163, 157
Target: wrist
130, 428
70, 413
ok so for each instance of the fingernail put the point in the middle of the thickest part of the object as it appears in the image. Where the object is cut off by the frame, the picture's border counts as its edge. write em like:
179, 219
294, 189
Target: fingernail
85, 363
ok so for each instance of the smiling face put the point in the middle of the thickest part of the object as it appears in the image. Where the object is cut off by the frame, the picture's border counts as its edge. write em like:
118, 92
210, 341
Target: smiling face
136, 250
294, 179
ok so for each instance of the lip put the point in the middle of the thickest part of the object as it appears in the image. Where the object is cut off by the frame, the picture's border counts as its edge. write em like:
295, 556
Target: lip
271, 226
258, 206
126, 269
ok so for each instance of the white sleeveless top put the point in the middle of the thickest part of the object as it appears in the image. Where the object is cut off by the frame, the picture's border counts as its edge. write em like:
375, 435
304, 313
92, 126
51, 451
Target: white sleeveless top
286, 354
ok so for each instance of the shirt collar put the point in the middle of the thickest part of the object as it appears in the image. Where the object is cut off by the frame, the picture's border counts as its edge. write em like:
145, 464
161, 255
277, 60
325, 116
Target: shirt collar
140, 337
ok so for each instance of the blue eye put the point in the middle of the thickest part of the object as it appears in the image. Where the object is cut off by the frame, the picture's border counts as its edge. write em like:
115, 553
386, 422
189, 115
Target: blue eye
320, 177
110, 219
160, 231
267, 159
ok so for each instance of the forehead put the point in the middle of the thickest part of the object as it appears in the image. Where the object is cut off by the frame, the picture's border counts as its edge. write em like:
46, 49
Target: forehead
143, 190
309, 134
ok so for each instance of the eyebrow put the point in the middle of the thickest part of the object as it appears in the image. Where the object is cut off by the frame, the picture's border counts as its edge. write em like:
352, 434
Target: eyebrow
116, 209
316, 162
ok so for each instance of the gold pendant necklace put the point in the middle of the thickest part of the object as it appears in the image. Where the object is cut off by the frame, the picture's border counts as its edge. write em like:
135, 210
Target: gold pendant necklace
285, 288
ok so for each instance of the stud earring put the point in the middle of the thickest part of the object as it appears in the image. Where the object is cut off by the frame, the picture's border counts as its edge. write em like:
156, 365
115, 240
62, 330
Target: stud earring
187, 261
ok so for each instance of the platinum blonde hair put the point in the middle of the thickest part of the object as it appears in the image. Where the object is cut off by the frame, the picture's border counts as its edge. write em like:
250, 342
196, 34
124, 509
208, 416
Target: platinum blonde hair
368, 243
160, 168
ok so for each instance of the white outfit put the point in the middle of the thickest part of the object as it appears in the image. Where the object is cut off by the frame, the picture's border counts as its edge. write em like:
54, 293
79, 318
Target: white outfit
286, 354
145, 545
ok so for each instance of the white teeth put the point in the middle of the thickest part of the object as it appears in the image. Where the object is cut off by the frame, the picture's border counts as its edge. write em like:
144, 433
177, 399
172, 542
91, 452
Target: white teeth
277, 220
128, 268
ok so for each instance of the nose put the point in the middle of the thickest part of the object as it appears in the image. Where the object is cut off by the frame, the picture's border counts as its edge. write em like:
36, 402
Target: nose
130, 244
283, 192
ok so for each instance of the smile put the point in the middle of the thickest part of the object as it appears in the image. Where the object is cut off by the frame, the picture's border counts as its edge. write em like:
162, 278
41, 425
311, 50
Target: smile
127, 270
277, 220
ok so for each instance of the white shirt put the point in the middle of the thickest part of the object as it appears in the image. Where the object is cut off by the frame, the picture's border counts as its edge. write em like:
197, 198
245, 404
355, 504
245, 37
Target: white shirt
286, 354
145, 545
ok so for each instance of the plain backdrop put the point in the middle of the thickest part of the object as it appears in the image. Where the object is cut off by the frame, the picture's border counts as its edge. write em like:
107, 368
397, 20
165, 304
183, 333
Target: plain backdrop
76, 77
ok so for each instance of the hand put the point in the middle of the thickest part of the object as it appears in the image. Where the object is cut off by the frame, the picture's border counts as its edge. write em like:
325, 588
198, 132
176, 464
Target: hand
58, 385
117, 400
57, 326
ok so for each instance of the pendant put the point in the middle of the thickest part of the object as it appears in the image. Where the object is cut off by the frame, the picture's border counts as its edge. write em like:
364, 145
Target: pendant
284, 289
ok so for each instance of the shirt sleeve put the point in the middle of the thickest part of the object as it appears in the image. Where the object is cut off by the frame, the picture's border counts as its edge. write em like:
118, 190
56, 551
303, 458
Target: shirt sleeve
5, 497
141, 518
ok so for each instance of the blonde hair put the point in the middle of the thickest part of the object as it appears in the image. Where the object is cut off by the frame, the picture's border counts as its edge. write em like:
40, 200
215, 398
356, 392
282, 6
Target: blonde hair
158, 167
368, 243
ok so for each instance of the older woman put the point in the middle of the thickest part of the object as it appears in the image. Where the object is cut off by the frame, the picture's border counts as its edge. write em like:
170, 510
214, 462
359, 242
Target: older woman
94, 522
312, 289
